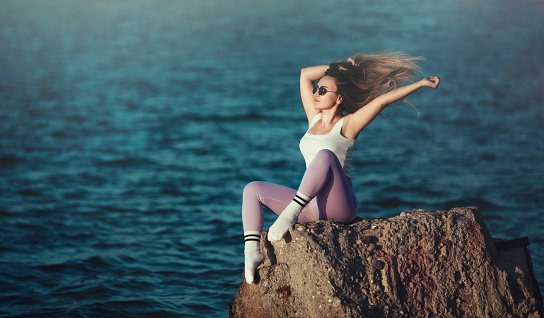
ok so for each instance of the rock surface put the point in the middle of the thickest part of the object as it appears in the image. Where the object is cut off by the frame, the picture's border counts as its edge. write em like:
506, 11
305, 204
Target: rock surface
417, 264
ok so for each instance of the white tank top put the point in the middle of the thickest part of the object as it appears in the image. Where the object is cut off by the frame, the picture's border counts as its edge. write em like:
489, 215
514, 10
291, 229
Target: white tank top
341, 146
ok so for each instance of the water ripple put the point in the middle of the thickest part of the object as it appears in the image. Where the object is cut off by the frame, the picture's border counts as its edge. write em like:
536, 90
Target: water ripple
128, 132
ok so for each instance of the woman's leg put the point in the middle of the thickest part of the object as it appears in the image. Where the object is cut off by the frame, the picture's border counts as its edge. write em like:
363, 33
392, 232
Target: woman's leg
330, 197
275, 197
256, 195
325, 183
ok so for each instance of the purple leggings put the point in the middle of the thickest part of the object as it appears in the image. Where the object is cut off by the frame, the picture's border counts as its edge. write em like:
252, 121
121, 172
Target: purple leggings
324, 182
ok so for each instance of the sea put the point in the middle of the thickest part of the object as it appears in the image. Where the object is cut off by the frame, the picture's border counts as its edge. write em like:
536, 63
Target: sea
128, 130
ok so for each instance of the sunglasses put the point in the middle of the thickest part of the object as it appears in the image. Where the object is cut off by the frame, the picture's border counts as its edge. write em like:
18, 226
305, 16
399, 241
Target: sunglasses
322, 90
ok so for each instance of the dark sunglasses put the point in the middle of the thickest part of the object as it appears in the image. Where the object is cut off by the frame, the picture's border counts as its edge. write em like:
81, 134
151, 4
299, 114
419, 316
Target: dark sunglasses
322, 90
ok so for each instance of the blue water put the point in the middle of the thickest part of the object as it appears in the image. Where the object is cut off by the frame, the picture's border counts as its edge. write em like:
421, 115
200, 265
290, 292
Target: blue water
128, 130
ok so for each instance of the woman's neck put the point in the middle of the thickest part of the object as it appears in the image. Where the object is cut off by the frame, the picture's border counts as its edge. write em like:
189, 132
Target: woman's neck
330, 116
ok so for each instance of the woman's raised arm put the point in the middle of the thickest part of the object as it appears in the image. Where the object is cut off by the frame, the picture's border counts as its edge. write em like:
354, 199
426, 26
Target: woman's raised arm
308, 76
361, 118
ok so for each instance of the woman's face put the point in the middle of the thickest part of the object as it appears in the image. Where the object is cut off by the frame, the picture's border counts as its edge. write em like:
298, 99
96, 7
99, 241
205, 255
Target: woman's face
329, 99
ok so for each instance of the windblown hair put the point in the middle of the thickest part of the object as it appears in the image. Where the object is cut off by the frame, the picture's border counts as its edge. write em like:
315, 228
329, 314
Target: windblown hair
371, 76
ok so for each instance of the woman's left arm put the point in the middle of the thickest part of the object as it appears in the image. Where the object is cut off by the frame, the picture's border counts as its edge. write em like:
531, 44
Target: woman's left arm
364, 116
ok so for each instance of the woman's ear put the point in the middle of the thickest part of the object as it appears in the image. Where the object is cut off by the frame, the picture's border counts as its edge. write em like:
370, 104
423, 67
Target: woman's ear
339, 99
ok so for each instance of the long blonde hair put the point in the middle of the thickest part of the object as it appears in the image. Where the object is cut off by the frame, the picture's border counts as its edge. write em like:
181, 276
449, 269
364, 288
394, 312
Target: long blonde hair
372, 75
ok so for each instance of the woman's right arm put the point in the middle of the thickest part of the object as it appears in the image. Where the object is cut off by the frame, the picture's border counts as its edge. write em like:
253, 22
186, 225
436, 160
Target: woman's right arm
308, 76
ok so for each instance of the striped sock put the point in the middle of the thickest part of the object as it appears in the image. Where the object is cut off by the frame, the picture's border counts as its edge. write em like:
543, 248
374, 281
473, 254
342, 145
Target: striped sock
253, 255
302, 200
252, 236
288, 217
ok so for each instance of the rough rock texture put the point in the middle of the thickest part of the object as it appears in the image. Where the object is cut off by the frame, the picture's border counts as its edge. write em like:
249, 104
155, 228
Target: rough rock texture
418, 264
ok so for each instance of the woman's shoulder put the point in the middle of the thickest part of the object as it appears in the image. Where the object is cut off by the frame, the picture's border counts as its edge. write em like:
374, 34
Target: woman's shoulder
346, 125
317, 117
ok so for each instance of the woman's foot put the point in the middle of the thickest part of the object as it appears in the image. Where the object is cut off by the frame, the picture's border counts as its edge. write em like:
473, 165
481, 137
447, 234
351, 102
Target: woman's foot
254, 258
281, 226
253, 255
288, 217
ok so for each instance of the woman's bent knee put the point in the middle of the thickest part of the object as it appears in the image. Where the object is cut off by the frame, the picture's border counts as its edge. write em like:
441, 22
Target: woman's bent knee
326, 156
252, 187
325, 152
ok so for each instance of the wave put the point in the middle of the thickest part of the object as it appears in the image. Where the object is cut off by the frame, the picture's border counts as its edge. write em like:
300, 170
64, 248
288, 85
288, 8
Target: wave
10, 159
126, 162
92, 264
226, 117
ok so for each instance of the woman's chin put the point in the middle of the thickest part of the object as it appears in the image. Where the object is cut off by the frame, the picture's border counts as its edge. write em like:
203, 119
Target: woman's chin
318, 106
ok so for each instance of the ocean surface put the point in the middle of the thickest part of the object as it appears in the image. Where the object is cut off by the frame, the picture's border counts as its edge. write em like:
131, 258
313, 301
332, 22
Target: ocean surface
128, 130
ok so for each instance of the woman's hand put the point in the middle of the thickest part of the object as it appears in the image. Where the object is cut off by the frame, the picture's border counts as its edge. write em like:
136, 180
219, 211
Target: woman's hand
431, 82
350, 59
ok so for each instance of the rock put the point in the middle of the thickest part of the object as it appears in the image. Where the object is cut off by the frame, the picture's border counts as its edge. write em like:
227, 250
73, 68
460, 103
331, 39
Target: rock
419, 264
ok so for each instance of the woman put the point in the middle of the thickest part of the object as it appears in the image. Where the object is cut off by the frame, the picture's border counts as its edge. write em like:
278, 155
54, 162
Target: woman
348, 96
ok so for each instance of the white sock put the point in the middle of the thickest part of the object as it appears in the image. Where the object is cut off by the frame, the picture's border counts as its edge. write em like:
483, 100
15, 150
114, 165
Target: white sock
253, 255
288, 217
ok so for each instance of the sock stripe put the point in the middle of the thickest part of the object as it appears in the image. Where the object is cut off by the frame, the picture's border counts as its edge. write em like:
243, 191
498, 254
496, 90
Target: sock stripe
252, 237
300, 201
301, 198
249, 239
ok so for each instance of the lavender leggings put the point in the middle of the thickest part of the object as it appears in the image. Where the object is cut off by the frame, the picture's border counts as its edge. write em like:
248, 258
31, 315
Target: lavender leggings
324, 181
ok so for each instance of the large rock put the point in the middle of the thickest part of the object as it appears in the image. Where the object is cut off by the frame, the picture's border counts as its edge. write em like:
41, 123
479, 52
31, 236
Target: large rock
418, 264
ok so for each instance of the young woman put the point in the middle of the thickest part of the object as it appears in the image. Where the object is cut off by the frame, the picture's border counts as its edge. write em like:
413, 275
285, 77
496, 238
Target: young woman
348, 96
